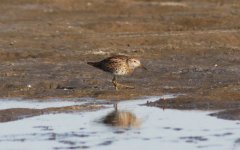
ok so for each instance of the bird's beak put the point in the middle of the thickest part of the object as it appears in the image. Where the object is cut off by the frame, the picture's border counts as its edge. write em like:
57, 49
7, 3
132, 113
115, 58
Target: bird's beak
143, 67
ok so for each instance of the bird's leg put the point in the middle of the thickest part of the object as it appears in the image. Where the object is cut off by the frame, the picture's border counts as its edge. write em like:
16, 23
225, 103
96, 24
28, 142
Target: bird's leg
116, 85
126, 86
114, 81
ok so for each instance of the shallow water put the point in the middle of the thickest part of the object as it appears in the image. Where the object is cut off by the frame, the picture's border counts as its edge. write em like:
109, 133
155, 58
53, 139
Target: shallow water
156, 129
11, 103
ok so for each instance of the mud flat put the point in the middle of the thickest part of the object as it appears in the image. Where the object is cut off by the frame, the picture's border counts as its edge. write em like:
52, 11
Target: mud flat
11, 110
189, 47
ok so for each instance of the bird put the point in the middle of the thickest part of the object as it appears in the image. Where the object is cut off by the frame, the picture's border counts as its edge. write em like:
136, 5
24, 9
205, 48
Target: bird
118, 65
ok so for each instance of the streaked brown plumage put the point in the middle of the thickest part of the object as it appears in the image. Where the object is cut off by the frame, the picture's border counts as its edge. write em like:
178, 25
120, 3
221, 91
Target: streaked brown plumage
118, 65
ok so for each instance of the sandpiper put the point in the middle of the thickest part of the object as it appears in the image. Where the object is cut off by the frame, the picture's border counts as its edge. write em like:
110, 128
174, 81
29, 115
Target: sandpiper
118, 65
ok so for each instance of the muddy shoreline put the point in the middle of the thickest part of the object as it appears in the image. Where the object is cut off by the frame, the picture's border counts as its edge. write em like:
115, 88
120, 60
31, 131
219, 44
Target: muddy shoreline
189, 48
13, 114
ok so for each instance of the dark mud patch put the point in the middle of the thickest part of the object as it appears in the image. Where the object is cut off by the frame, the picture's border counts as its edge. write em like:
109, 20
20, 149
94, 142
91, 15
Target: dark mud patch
237, 143
21, 113
170, 128
224, 134
106, 143
204, 102
187, 102
44, 128
193, 139
233, 114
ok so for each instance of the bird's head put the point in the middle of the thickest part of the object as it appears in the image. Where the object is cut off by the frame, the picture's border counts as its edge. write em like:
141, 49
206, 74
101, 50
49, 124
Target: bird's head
135, 63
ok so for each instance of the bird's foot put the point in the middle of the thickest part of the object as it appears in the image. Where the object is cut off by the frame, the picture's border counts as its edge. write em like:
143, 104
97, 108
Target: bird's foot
118, 85
126, 86
116, 88
115, 84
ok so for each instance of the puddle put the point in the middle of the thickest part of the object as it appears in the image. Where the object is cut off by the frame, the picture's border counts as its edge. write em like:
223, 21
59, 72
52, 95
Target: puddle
10, 103
146, 127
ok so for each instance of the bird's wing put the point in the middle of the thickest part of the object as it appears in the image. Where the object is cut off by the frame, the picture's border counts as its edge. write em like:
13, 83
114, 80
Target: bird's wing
110, 64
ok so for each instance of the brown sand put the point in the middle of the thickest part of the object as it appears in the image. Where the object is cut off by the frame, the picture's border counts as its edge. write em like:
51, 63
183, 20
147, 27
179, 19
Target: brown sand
188, 46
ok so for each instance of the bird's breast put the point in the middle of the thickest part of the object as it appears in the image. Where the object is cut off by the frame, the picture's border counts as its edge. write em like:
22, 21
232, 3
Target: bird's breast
122, 71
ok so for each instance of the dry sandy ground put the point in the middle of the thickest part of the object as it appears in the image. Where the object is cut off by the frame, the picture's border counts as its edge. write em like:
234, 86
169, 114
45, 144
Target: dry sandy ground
188, 46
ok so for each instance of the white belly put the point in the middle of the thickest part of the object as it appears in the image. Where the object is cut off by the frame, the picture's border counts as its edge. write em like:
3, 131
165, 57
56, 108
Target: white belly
121, 72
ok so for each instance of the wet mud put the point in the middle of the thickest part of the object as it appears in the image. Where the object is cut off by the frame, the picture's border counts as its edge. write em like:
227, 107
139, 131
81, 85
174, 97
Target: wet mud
13, 114
189, 47
232, 114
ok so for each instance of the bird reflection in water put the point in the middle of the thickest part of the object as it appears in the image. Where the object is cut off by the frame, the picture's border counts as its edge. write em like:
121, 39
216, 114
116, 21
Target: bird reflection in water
123, 119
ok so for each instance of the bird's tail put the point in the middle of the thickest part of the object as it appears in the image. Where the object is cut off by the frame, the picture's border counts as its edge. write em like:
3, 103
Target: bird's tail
94, 64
